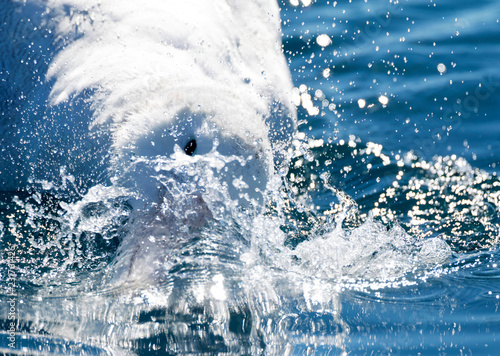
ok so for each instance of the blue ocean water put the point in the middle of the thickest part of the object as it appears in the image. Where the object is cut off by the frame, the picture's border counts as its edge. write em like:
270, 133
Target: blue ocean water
433, 65
383, 239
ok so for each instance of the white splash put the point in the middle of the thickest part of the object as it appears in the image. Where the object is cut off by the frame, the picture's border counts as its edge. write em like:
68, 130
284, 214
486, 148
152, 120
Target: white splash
159, 74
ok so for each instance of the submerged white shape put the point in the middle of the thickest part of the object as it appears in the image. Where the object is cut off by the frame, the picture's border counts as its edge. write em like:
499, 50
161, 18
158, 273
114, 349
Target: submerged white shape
185, 91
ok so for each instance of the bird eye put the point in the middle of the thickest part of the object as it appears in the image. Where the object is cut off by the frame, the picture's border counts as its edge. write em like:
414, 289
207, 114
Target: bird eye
190, 147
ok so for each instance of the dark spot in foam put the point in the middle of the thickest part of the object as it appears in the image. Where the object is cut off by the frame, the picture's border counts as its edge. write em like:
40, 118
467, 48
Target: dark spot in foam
190, 147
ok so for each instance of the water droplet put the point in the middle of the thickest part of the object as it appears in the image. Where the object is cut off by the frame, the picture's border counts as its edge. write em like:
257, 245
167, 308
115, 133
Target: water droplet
441, 68
323, 40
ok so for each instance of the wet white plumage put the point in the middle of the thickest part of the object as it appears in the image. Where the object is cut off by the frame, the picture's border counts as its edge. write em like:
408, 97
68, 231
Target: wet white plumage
158, 74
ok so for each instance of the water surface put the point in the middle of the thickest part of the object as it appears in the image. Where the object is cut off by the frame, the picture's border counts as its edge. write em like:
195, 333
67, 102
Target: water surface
379, 238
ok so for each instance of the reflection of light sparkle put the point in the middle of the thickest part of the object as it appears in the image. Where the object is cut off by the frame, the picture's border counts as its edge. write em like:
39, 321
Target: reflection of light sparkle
323, 40
217, 290
384, 100
305, 3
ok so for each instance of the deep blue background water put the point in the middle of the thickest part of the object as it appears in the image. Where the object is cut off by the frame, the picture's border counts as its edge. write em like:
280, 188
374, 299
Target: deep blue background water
427, 160
394, 49
391, 49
